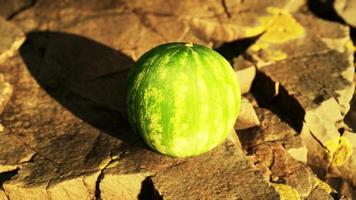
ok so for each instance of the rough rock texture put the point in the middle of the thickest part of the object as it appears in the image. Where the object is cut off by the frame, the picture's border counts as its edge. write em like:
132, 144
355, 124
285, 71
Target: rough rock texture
281, 156
346, 9
343, 165
271, 129
204, 22
290, 58
247, 116
11, 39
5, 93
8, 9
289, 79
64, 153
194, 178
246, 73
63, 128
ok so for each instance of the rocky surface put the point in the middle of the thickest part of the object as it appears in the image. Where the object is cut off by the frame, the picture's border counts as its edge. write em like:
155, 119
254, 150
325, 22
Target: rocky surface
63, 128
206, 22
9, 9
248, 117
195, 178
307, 77
341, 173
246, 72
281, 155
11, 39
346, 9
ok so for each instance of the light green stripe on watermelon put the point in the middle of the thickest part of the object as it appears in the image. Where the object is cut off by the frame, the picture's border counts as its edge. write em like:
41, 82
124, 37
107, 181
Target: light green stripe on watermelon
178, 127
234, 97
181, 99
171, 101
216, 111
230, 82
205, 98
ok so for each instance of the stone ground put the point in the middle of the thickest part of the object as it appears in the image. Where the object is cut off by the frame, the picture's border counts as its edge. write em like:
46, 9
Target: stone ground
63, 129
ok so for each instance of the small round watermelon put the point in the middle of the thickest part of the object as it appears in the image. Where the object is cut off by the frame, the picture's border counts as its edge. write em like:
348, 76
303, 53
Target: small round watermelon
183, 98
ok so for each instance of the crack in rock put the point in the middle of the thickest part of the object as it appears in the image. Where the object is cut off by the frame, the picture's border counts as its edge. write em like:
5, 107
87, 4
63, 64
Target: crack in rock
111, 163
226, 8
25, 7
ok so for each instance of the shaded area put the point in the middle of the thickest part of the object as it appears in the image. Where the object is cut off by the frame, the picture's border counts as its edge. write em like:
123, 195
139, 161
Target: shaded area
148, 191
336, 182
353, 35
350, 118
5, 176
231, 50
279, 102
84, 76
325, 10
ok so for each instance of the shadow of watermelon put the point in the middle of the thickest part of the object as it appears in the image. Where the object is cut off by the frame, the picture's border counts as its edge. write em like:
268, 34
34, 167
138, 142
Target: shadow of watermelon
86, 77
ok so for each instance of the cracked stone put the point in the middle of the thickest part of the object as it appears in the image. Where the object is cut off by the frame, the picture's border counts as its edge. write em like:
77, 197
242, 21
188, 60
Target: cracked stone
13, 152
65, 118
291, 66
65, 146
121, 186
280, 154
318, 122
289, 173
11, 39
247, 116
83, 136
246, 183
246, 73
216, 174
76, 188
9, 8
271, 128
205, 22
346, 9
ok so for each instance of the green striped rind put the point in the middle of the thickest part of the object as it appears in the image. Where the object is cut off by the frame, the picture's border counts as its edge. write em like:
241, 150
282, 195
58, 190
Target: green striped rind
182, 99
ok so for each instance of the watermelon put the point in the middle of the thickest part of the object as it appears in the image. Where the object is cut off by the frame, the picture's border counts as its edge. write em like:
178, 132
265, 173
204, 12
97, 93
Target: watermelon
182, 98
